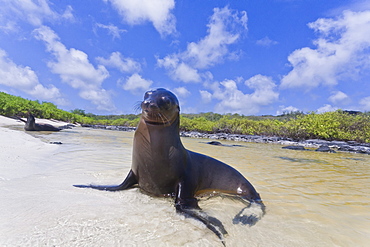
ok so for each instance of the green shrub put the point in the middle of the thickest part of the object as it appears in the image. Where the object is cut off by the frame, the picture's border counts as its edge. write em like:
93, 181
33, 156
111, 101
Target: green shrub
338, 125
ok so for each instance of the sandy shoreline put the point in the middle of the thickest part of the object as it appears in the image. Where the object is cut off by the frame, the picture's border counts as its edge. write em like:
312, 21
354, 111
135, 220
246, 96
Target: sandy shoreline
18, 148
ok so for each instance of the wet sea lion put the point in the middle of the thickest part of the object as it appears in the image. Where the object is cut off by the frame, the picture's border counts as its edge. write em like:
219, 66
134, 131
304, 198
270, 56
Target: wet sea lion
31, 125
161, 166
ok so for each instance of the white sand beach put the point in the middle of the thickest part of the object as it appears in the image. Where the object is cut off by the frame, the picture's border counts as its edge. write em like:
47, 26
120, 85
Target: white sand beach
19, 149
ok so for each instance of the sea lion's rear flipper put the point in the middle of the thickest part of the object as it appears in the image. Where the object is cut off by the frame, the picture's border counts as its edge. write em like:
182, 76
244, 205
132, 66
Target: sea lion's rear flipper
46, 127
188, 206
126, 184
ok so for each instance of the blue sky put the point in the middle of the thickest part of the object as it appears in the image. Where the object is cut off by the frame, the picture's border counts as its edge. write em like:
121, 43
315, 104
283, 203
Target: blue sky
247, 57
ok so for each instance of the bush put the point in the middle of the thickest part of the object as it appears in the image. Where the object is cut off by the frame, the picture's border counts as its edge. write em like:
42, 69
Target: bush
196, 124
338, 125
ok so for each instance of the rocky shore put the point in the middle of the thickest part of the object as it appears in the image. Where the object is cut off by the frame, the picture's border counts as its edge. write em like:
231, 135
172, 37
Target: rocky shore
288, 143
109, 127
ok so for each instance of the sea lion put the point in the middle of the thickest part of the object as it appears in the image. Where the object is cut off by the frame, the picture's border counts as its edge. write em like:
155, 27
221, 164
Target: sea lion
31, 125
161, 166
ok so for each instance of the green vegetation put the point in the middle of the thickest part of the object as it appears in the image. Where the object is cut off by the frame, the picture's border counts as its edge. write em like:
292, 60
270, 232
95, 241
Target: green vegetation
16, 106
338, 125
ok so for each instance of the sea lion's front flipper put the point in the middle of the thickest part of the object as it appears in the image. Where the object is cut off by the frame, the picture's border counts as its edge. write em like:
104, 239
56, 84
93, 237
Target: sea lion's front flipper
188, 205
24, 121
127, 183
251, 214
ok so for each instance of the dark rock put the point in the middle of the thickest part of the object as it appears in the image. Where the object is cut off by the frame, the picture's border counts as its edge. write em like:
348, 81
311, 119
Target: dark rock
216, 143
58, 143
355, 149
325, 148
294, 147
67, 126
353, 143
346, 148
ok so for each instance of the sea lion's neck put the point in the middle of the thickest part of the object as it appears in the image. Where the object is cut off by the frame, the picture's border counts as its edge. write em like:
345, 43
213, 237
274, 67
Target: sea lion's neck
160, 137
30, 123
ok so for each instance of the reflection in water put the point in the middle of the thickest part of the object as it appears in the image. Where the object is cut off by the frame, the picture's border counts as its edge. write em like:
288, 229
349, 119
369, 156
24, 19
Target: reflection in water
303, 160
312, 199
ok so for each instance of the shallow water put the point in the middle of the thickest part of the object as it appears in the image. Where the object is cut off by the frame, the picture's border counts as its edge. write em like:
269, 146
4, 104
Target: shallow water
312, 199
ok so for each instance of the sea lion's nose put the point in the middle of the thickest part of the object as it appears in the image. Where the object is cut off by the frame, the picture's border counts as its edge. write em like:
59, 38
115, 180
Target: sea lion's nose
150, 104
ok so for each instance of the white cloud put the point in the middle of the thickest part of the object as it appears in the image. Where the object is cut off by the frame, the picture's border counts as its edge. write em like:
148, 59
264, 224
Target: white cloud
179, 71
224, 28
266, 41
25, 79
68, 15
264, 86
8, 26
342, 51
137, 84
287, 109
74, 68
182, 92
31, 11
356, 5
233, 100
339, 97
365, 102
118, 61
112, 30
326, 108
156, 11
206, 96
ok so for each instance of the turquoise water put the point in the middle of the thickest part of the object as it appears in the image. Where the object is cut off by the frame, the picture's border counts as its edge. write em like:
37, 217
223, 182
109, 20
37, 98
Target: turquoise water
312, 199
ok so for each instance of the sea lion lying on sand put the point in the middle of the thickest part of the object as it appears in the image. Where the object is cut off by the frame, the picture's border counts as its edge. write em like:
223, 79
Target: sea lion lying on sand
31, 125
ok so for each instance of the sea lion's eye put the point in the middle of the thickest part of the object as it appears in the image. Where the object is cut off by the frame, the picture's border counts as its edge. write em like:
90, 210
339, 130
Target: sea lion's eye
166, 100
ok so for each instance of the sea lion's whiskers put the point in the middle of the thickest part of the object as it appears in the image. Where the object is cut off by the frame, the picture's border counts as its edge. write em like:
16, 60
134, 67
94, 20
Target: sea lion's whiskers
163, 118
137, 107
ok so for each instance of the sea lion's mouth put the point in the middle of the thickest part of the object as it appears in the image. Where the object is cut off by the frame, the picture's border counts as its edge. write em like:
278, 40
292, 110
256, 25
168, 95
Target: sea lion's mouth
157, 123
155, 117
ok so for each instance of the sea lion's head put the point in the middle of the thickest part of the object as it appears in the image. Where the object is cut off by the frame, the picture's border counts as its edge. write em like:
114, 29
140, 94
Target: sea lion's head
30, 120
160, 107
30, 117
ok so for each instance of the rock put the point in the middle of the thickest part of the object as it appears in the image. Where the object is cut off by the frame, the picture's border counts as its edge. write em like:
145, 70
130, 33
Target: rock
216, 143
294, 147
58, 143
325, 148
316, 142
338, 143
67, 126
